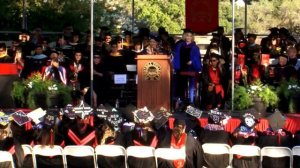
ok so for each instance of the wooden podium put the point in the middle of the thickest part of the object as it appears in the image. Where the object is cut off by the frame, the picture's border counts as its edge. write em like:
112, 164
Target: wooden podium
154, 82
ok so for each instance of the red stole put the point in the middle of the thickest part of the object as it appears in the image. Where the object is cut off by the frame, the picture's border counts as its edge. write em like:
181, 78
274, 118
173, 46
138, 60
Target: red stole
153, 142
12, 150
83, 141
178, 145
215, 79
255, 71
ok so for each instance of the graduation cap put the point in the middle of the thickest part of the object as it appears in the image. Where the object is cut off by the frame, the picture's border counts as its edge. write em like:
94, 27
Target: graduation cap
143, 115
4, 119
284, 31
161, 118
249, 35
49, 120
249, 120
152, 37
82, 110
238, 30
284, 55
187, 30
69, 112
216, 117
102, 112
115, 118
193, 111
20, 117
276, 120
37, 115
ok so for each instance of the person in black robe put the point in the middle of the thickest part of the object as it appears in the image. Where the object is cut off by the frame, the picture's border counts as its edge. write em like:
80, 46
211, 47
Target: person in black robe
178, 139
106, 135
245, 134
4, 57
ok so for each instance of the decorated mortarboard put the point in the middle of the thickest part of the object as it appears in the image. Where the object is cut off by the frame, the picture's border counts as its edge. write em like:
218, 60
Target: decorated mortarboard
276, 120
143, 115
82, 110
49, 120
102, 111
69, 112
20, 117
115, 118
216, 117
4, 119
249, 120
193, 111
37, 115
161, 118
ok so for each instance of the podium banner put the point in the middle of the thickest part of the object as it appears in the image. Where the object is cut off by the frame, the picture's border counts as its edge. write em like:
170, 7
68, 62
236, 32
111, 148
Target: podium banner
202, 16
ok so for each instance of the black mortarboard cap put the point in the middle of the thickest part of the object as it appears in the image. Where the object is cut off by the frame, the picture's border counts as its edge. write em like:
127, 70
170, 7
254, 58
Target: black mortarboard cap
276, 120
160, 118
143, 115
69, 112
237, 30
101, 112
283, 30
83, 110
251, 35
215, 117
50, 120
187, 30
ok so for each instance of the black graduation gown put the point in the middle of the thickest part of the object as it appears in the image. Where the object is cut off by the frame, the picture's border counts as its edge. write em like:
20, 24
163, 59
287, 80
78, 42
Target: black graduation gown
134, 162
78, 162
194, 152
112, 162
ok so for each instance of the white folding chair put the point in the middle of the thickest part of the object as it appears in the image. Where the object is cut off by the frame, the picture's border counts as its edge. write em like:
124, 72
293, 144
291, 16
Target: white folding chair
47, 151
244, 150
79, 151
6, 157
277, 152
111, 151
169, 154
217, 149
141, 152
296, 151
27, 149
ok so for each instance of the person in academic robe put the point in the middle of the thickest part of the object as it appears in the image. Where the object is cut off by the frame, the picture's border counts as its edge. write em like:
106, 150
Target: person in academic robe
251, 48
213, 92
153, 48
256, 70
293, 58
106, 135
76, 66
245, 134
115, 61
266, 41
178, 139
55, 72
106, 46
187, 59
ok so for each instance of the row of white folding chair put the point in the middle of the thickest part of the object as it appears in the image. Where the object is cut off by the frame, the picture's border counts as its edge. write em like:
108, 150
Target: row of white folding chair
249, 150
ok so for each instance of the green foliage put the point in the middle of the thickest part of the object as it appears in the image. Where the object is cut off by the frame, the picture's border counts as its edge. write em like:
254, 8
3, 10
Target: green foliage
288, 91
242, 99
27, 91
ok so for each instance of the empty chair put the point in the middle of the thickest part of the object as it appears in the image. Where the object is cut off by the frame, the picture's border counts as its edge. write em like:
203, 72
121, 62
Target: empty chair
6, 160
276, 157
216, 155
246, 156
110, 156
47, 156
28, 156
296, 156
79, 156
166, 156
140, 157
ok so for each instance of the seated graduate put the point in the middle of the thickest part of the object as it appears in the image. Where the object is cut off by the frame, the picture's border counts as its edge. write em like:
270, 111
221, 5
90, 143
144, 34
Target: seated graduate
8, 143
55, 72
48, 137
80, 132
214, 131
275, 135
142, 135
178, 139
193, 126
4, 58
245, 134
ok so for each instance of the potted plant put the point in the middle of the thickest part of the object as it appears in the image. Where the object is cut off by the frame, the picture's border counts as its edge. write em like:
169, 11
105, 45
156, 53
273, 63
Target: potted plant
289, 94
263, 96
242, 99
35, 92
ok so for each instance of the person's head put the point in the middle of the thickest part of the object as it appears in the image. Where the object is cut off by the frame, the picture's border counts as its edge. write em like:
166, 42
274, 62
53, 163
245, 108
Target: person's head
37, 31
47, 137
128, 36
97, 59
220, 30
292, 52
55, 63
78, 56
256, 57
114, 47
3, 50
214, 60
75, 37
138, 46
5, 132
153, 42
283, 60
107, 38
251, 38
118, 41
188, 35
54, 55
38, 50
179, 128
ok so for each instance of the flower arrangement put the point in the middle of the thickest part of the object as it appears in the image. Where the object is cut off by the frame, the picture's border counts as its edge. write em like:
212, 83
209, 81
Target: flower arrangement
289, 93
34, 89
266, 93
